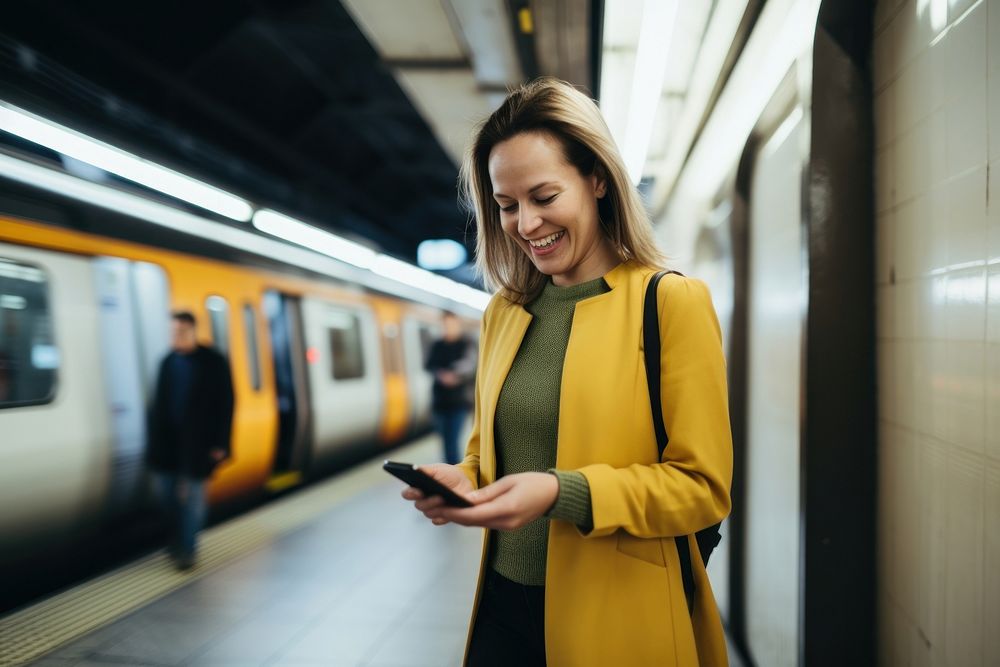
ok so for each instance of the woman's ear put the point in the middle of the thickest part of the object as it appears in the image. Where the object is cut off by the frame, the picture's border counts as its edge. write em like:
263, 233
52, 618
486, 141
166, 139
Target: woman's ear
600, 181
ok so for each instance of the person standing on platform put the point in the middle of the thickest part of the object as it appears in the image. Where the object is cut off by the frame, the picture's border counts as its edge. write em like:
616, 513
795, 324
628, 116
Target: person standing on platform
190, 425
452, 360
590, 557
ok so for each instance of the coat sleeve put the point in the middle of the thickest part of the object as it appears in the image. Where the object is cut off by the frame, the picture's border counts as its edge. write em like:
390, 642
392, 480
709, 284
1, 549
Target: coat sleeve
689, 489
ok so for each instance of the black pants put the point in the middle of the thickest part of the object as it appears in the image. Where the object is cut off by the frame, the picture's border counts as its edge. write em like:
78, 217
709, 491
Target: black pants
510, 625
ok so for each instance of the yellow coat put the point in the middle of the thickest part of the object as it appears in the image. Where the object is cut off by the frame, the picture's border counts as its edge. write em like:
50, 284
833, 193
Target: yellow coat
615, 596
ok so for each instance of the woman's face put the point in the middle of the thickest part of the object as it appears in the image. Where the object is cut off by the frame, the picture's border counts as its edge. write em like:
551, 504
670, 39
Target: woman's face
550, 209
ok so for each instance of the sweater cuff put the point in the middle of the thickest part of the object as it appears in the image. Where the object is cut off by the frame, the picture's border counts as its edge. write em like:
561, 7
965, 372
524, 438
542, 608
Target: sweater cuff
573, 502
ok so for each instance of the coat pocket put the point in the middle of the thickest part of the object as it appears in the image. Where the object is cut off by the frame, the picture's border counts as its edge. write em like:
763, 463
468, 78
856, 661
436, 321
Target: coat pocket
643, 548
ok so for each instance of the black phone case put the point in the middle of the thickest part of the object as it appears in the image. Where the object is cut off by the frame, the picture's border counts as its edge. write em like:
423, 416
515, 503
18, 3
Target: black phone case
424, 482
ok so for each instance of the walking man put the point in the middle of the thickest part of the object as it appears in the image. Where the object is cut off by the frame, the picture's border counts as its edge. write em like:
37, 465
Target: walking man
452, 360
190, 423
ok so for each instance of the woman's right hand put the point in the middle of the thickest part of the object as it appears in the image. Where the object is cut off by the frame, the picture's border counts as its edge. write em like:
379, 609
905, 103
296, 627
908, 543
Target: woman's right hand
449, 475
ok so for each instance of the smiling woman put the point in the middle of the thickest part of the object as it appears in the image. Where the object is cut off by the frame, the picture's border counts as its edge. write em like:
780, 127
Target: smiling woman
588, 522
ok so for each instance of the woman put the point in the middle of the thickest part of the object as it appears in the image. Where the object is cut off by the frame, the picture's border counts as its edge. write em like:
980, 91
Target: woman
580, 566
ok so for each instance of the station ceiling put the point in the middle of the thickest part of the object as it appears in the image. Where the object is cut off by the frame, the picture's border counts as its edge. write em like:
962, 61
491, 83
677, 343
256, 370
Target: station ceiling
349, 115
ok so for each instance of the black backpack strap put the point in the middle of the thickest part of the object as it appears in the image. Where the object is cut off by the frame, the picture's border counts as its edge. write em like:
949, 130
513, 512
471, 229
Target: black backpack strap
651, 353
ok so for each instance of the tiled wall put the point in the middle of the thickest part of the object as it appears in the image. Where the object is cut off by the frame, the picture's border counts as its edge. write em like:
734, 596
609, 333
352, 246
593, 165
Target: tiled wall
936, 71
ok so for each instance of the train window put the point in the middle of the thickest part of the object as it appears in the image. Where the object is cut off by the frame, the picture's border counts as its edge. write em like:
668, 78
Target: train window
29, 359
426, 340
345, 346
393, 354
250, 323
218, 319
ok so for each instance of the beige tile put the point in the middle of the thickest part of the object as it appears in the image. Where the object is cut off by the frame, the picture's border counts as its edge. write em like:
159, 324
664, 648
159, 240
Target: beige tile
967, 395
884, 311
936, 75
993, 78
938, 145
965, 311
885, 121
912, 97
888, 512
993, 403
964, 601
915, 251
907, 520
993, 303
966, 197
903, 383
884, 234
905, 301
966, 91
931, 304
941, 219
913, 32
885, 197
886, 380
935, 550
923, 395
958, 7
941, 374
993, 206
884, 57
912, 172
991, 588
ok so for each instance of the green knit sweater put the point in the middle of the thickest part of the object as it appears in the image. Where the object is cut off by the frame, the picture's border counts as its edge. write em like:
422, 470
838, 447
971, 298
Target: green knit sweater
527, 429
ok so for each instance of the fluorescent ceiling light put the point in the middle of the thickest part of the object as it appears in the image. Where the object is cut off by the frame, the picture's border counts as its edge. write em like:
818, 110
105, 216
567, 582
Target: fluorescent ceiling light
655, 36
295, 231
116, 161
433, 293
441, 254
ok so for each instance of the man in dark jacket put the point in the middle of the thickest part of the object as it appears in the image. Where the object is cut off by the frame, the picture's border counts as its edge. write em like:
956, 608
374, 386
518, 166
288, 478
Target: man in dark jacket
452, 360
190, 424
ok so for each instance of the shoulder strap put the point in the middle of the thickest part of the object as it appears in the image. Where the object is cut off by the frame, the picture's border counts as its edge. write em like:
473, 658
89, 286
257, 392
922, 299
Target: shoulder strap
651, 353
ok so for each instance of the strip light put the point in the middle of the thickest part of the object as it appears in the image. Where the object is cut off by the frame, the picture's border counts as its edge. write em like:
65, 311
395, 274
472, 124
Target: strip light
655, 36
294, 231
63, 140
387, 275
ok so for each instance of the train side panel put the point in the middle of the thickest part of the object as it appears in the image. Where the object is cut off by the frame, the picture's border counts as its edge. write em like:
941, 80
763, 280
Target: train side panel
54, 455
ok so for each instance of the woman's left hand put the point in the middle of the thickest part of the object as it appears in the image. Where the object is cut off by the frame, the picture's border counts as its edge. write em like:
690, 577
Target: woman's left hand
506, 504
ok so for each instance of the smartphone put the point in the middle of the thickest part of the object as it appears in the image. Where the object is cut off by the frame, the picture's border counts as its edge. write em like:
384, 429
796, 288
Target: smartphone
417, 478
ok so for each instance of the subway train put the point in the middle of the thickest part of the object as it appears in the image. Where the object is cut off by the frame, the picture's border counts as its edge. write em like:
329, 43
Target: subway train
319, 370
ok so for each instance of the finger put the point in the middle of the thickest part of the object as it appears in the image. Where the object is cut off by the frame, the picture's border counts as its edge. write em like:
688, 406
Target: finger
429, 503
412, 493
490, 492
486, 515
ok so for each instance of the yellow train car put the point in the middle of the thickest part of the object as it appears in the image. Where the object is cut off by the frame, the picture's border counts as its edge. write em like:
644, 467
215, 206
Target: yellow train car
319, 369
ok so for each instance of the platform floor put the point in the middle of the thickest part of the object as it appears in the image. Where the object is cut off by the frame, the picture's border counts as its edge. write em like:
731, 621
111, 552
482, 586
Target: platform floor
341, 573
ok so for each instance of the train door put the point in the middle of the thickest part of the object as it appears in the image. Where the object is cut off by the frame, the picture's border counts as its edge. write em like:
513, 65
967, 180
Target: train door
284, 319
133, 310
417, 339
345, 374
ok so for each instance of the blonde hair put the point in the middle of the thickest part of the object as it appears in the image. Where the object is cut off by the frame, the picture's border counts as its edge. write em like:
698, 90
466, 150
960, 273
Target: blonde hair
558, 109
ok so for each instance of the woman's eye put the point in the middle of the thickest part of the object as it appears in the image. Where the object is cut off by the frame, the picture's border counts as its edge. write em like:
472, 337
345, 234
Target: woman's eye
508, 209
548, 200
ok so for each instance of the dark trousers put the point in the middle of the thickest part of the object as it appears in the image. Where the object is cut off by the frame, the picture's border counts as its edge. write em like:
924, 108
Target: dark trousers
449, 425
510, 625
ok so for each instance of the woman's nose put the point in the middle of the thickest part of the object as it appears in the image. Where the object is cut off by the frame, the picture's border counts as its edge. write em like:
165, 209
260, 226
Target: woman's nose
529, 221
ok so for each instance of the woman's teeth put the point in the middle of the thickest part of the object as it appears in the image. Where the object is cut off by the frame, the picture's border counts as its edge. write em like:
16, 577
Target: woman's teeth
547, 241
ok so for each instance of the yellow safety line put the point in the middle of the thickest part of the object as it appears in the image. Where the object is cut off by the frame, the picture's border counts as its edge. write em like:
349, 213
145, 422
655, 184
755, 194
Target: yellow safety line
41, 628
